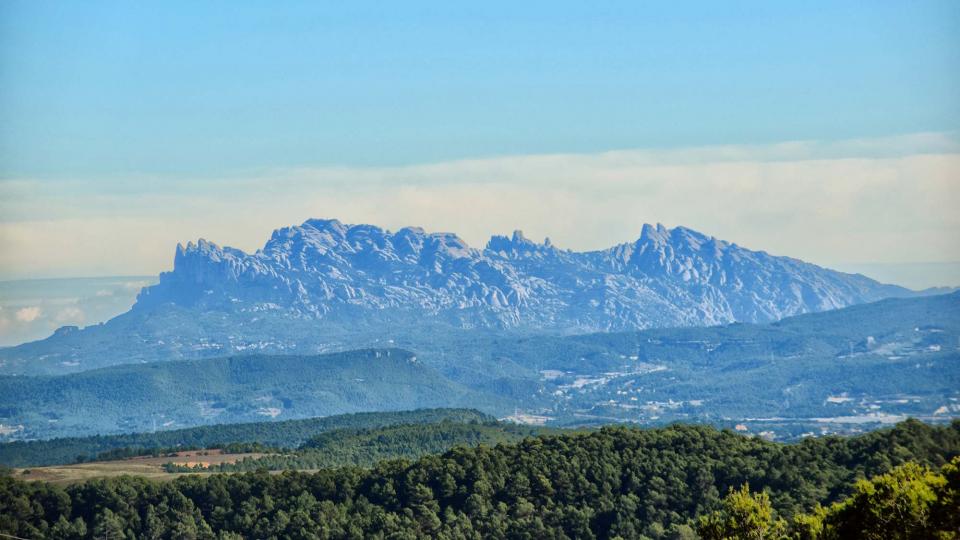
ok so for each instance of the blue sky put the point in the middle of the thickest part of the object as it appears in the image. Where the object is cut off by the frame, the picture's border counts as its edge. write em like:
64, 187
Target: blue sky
826, 131
120, 88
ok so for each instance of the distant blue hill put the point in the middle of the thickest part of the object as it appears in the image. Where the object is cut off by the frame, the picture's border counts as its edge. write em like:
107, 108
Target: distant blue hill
843, 370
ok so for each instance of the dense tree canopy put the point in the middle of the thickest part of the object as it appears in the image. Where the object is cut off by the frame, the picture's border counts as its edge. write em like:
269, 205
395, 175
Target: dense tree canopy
365, 447
911, 502
614, 482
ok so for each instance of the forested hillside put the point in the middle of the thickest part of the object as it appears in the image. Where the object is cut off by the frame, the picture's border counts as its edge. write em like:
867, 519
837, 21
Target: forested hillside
365, 447
285, 434
250, 388
615, 482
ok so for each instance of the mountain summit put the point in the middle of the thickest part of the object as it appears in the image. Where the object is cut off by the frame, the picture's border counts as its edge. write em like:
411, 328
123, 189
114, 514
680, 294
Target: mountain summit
326, 270
325, 286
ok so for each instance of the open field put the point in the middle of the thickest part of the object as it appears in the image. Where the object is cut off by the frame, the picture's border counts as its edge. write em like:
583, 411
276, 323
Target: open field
146, 466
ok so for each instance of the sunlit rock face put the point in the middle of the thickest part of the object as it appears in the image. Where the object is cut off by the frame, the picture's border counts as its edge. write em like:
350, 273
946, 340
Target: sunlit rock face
326, 270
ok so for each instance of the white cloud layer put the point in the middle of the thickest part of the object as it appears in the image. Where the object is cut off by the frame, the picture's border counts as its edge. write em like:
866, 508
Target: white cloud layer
33, 309
27, 314
891, 200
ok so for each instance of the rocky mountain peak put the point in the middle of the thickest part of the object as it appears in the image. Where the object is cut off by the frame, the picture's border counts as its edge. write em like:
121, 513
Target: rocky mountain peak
326, 269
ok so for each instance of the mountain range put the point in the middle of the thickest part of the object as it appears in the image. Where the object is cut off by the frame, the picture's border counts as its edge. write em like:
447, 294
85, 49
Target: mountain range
324, 269
325, 286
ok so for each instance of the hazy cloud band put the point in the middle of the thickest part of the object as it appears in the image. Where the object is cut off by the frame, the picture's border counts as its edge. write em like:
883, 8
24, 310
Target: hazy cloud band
890, 200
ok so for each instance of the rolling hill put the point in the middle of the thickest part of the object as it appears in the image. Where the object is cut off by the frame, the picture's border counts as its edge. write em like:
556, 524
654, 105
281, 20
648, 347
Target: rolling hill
843, 371
167, 395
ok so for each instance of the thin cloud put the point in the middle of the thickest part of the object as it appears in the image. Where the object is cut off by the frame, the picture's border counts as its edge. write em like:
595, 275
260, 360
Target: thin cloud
28, 314
72, 315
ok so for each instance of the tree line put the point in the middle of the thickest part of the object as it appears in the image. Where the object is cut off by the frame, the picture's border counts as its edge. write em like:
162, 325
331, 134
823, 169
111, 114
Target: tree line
616, 482
365, 447
282, 434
